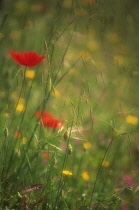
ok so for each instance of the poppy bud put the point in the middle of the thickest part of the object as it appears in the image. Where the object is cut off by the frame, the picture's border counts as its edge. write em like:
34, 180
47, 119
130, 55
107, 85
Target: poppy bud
69, 149
54, 161
6, 132
66, 135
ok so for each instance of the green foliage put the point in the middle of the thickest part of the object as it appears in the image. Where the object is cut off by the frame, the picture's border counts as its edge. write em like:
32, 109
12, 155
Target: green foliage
89, 81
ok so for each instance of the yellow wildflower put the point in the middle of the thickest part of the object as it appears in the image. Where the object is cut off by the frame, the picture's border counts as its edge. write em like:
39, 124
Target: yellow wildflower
24, 139
130, 119
87, 145
30, 74
74, 71
56, 93
85, 55
7, 115
20, 107
119, 59
68, 173
85, 175
105, 163
92, 45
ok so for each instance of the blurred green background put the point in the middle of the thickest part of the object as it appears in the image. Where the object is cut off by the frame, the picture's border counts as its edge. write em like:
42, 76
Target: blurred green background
96, 42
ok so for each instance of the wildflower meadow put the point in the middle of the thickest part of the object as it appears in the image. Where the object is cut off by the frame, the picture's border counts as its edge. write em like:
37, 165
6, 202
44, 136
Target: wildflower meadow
69, 107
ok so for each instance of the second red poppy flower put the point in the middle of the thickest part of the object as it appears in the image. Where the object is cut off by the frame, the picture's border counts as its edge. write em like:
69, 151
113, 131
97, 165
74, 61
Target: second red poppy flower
48, 120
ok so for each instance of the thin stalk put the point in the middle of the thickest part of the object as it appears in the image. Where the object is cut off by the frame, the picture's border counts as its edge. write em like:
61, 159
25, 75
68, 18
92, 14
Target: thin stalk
99, 169
64, 163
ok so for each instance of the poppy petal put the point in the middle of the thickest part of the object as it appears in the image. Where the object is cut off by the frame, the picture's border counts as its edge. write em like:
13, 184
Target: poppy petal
38, 113
28, 59
48, 120
54, 123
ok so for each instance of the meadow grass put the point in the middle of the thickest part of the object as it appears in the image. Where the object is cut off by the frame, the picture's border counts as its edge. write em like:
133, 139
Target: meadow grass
89, 82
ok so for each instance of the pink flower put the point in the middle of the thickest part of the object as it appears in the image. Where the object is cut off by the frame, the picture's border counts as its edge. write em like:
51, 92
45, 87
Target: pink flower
63, 146
44, 162
77, 141
93, 204
56, 178
124, 207
128, 180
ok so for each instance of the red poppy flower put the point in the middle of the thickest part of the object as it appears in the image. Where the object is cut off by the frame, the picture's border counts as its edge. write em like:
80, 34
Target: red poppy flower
28, 59
45, 155
17, 134
48, 120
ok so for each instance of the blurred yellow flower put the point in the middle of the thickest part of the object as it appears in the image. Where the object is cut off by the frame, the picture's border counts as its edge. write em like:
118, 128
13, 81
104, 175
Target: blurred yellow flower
74, 72
130, 119
24, 139
7, 115
92, 45
67, 4
119, 59
15, 35
56, 93
113, 37
105, 163
20, 107
87, 145
80, 12
30, 74
85, 175
85, 55
67, 173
